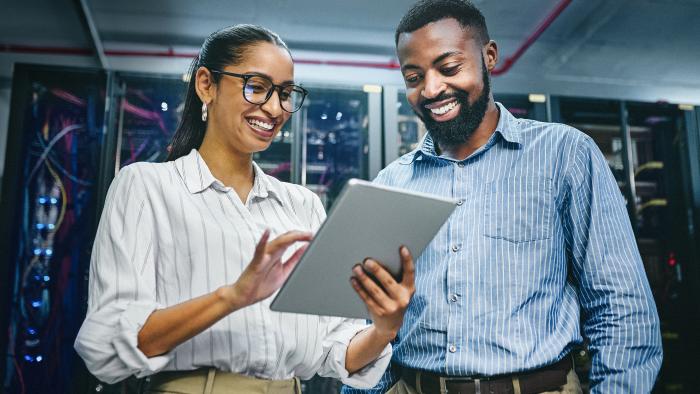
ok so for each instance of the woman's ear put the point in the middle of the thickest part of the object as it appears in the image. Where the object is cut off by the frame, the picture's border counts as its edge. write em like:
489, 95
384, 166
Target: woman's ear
204, 85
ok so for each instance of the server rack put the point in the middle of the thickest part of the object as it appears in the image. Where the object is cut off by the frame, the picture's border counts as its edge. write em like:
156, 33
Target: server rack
49, 196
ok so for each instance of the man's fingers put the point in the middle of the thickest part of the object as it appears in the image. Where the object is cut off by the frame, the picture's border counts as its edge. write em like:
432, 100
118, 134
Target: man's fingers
369, 302
408, 269
374, 291
383, 276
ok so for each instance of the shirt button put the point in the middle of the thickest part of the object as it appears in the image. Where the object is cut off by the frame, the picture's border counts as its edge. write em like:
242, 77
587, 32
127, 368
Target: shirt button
455, 248
452, 348
98, 388
461, 164
453, 298
460, 201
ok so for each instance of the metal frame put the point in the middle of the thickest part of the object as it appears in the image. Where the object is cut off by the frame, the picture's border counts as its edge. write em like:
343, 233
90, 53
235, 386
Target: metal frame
88, 22
553, 109
540, 111
690, 168
9, 202
109, 145
627, 163
390, 99
374, 134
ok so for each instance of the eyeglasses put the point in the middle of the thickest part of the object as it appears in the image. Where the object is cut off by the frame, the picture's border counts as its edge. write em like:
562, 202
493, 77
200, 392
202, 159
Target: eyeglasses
257, 89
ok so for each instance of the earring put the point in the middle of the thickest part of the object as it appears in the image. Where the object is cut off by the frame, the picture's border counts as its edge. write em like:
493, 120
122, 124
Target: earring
204, 112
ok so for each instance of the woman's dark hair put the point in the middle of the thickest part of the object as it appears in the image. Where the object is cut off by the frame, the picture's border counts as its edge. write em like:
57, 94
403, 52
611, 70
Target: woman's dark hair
222, 48
427, 11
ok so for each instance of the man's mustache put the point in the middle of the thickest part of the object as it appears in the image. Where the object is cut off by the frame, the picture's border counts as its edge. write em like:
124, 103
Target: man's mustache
461, 96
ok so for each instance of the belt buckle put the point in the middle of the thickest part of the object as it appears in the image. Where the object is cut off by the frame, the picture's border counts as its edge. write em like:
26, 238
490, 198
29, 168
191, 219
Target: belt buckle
445, 380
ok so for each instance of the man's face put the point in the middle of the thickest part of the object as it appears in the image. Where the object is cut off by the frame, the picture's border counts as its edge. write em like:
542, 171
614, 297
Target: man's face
447, 82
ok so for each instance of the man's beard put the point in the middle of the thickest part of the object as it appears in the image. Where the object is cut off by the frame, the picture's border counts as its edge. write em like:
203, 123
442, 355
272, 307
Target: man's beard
458, 130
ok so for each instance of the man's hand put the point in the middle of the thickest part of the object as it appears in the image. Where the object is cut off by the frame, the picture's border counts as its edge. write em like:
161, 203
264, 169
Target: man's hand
388, 300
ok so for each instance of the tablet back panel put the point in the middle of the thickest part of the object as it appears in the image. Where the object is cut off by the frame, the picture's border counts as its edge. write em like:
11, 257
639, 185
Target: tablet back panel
366, 221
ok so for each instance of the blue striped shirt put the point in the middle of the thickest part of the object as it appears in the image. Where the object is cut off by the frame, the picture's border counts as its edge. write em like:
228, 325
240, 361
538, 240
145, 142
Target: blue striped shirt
539, 254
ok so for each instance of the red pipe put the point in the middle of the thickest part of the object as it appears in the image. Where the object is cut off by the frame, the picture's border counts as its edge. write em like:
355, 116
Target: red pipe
168, 53
390, 65
45, 50
546, 22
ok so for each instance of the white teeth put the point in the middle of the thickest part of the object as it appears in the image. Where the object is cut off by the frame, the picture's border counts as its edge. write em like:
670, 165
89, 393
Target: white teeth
261, 124
444, 109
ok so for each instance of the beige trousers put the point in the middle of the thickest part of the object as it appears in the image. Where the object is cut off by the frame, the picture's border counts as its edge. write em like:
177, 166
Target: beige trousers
212, 381
572, 386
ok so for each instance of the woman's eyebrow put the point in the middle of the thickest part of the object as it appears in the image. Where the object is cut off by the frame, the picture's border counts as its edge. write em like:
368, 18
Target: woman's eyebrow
287, 82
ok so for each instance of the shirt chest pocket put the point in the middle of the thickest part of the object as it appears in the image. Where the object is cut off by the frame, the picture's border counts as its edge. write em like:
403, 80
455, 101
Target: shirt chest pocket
519, 209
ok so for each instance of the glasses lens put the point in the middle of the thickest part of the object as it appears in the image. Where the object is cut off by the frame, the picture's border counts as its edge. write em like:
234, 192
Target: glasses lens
292, 97
256, 89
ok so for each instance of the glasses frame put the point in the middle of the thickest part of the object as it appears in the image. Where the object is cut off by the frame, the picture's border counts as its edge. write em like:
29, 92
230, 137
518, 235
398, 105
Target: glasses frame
278, 88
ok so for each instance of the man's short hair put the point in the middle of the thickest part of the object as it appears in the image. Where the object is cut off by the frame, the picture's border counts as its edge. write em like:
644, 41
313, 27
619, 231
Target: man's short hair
427, 11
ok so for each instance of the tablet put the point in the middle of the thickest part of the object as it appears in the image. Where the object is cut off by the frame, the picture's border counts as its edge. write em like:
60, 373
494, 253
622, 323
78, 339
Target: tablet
367, 220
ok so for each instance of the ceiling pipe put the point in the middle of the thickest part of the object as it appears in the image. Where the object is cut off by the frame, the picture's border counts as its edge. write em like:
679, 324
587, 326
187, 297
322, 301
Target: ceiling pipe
389, 65
170, 53
543, 25
44, 50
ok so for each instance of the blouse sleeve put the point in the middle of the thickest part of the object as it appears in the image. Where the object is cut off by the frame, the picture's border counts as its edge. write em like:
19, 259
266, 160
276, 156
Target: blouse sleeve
339, 334
335, 346
121, 284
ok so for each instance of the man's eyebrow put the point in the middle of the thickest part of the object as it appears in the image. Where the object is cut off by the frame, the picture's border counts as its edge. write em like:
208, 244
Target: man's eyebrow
438, 59
408, 66
446, 55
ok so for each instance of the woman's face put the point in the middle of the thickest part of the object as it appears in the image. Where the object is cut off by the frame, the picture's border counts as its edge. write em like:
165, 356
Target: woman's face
246, 127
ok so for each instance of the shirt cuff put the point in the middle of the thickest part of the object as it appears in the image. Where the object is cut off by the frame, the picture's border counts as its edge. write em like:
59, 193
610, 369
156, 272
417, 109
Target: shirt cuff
126, 341
336, 346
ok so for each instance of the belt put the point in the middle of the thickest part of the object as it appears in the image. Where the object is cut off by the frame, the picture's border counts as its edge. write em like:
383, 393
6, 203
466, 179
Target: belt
548, 378
213, 381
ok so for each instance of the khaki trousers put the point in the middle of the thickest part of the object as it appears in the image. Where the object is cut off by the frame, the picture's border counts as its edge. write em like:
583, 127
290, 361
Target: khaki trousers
572, 386
212, 381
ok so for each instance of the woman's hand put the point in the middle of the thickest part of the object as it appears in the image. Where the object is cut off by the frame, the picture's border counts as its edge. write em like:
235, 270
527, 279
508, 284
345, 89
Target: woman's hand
386, 303
166, 328
266, 272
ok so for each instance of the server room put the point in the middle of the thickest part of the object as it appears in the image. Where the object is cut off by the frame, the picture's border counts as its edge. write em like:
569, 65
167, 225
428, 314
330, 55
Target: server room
358, 197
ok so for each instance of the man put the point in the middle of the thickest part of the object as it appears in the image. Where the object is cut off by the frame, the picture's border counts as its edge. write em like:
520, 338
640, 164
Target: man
539, 253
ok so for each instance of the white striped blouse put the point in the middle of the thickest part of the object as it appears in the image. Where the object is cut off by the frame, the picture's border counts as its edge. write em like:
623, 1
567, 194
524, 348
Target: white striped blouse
171, 232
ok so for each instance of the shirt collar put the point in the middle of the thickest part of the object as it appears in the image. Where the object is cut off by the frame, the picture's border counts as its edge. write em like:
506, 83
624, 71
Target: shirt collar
506, 128
265, 185
197, 177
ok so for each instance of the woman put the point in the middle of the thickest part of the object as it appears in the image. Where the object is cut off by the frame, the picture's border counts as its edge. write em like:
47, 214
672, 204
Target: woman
189, 251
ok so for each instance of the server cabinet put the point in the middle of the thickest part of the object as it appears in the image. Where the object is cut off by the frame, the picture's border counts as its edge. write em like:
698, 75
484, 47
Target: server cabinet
55, 143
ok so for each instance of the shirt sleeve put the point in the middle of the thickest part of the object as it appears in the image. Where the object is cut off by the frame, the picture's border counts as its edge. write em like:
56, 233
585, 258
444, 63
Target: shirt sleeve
335, 346
619, 314
387, 380
121, 284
